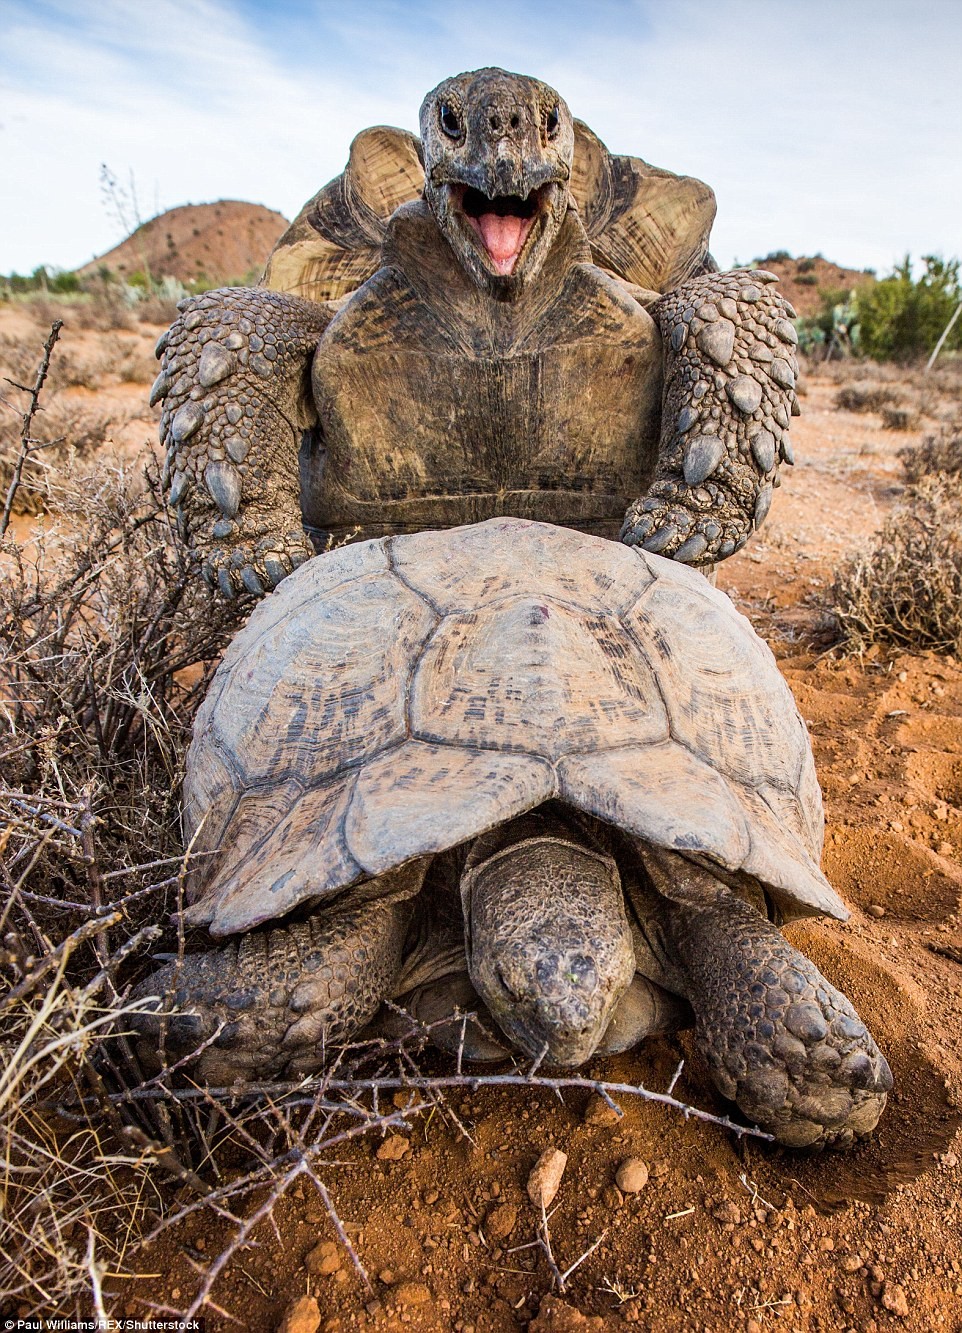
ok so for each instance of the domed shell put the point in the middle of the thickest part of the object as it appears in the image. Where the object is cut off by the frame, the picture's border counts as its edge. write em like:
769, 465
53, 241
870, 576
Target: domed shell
644, 224
396, 697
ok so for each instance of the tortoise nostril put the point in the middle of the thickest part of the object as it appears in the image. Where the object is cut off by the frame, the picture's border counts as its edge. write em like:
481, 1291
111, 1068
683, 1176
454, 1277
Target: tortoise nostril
515, 122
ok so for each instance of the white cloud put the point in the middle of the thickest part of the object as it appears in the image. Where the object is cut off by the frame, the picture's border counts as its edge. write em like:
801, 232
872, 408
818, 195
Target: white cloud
831, 126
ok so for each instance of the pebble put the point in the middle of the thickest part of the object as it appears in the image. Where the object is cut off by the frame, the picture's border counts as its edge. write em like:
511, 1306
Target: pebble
876, 910
500, 1222
545, 1180
632, 1175
412, 1293
599, 1112
325, 1258
394, 1147
302, 1316
727, 1213
894, 1300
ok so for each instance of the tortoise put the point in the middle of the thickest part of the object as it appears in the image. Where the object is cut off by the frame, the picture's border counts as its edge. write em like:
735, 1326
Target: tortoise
525, 325
568, 791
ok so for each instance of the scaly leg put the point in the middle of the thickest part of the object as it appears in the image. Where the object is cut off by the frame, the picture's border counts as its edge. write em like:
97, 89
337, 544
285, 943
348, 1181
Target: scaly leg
235, 387
729, 394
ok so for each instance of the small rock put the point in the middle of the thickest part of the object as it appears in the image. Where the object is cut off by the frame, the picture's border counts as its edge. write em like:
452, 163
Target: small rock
301, 1316
545, 1180
598, 1112
394, 1147
894, 1300
851, 1263
325, 1258
660, 1167
501, 1222
727, 1213
632, 1175
612, 1197
875, 909
412, 1293
386, 1276
556, 1316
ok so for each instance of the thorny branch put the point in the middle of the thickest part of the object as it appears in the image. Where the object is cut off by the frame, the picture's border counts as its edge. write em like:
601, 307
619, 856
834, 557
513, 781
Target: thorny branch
28, 445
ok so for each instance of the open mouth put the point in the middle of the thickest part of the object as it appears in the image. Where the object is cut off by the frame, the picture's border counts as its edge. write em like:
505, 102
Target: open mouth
503, 223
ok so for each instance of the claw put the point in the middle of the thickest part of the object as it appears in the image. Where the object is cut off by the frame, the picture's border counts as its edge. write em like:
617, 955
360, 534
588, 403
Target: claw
251, 582
226, 584
274, 568
664, 537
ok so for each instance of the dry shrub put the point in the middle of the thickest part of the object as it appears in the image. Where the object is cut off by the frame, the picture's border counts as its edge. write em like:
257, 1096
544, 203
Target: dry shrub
865, 396
941, 453
907, 589
107, 640
900, 418
61, 432
103, 309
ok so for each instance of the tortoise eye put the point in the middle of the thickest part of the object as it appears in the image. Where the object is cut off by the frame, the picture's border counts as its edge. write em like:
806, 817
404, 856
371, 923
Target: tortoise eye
552, 122
450, 121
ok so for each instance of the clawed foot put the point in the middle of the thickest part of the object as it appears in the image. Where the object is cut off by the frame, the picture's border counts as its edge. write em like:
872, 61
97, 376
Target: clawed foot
686, 524
255, 566
780, 1041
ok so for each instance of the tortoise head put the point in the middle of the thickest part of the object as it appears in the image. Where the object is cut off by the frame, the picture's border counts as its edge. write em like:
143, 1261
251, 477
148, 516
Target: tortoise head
497, 151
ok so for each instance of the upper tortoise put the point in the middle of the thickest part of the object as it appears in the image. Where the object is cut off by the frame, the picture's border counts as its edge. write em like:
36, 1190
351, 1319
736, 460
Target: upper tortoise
568, 792
499, 318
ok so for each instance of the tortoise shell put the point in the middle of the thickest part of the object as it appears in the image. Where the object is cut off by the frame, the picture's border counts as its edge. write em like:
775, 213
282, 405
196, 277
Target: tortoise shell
646, 225
397, 697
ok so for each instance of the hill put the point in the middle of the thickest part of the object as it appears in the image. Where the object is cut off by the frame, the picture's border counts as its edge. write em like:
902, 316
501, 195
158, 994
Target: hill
804, 280
219, 242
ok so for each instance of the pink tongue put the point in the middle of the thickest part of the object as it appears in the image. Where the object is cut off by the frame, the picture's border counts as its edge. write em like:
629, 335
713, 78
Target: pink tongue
503, 238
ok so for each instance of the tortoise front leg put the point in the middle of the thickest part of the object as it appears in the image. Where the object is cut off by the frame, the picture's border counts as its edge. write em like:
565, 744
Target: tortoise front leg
729, 395
780, 1040
282, 996
235, 387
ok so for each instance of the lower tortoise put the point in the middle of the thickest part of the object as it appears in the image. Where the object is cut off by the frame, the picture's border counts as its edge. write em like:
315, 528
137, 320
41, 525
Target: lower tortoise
524, 772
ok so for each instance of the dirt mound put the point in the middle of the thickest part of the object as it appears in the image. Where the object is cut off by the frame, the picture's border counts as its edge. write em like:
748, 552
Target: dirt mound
804, 280
221, 242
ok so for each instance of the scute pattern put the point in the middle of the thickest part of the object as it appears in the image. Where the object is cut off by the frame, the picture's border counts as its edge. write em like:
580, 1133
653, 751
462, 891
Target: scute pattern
320, 686
661, 793
403, 807
398, 697
726, 699
529, 674
465, 568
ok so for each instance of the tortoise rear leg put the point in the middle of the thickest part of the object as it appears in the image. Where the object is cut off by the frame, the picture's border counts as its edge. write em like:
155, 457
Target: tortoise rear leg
780, 1041
283, 996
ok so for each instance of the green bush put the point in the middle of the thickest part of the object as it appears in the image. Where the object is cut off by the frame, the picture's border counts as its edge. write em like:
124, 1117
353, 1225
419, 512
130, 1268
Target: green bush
902, 318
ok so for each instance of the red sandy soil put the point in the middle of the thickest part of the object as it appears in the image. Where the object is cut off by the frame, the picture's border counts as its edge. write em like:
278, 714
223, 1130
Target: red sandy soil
217, 243
726, 1234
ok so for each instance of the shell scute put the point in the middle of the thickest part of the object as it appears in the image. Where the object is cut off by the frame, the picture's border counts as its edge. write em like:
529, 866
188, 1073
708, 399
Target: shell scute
290, 851
726, 700
422, 798
322, 688
463, 569
530, 674
661, 793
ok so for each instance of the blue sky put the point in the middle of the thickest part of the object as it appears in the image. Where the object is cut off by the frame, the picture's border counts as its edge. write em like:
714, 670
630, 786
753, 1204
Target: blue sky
822, 125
